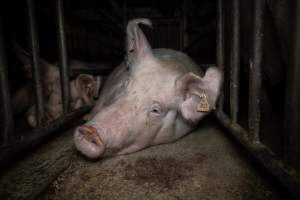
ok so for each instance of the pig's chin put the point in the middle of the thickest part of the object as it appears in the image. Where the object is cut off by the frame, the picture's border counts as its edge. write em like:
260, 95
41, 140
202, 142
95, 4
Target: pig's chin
88, 142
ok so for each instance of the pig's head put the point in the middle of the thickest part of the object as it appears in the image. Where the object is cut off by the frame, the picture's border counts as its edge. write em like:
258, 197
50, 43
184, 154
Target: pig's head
159, 102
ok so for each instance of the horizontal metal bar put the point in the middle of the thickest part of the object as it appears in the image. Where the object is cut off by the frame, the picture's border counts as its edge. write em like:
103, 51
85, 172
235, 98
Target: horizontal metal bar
255, 71
34, 47
292, 100
64, 70
36, 136
7, 133
235, 62
289, 177
92, 71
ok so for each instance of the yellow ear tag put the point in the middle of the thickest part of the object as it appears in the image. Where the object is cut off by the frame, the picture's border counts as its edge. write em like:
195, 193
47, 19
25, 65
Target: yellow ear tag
203, 105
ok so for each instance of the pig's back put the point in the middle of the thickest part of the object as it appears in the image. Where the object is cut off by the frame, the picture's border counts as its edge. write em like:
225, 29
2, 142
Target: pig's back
186, 63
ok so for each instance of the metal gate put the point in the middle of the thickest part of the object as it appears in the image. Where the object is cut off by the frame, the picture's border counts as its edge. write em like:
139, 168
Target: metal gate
284, 166
10, 143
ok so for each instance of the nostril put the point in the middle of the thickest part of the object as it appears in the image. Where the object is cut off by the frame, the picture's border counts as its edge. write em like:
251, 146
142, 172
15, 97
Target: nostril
90, 134
94, 142
88, 141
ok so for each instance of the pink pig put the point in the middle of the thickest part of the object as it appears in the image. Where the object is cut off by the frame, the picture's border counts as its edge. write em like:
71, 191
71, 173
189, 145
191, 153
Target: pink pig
156, 96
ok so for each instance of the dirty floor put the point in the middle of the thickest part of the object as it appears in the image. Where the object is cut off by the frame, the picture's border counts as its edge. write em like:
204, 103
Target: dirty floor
204, 165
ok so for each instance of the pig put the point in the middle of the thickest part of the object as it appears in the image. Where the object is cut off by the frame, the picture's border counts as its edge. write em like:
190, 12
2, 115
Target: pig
84, 89
155, 96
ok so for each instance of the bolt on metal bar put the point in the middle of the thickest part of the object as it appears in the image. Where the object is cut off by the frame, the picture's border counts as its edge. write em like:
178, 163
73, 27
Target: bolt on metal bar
7, 117
292, 99
220, 46
34, 47
64, 70
235, 62
255, 71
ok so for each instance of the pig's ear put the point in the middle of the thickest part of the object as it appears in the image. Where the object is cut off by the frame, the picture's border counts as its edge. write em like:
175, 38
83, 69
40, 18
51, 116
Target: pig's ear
22, 55
137, 46
198, 94
25, 57
85, 83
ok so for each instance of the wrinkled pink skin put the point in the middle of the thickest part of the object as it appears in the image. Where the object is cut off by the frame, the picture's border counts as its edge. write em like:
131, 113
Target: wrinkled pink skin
153, 102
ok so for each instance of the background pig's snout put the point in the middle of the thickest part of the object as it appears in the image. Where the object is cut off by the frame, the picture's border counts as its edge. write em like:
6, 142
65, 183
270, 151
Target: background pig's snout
88, 141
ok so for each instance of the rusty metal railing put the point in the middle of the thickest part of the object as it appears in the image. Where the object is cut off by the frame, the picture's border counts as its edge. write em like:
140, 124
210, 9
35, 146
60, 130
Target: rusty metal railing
282, 167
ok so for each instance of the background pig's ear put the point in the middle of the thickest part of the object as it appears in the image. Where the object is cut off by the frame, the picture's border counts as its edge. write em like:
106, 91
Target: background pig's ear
22, 55
25, 58
84, 83
88, 85
137, 46
198, 94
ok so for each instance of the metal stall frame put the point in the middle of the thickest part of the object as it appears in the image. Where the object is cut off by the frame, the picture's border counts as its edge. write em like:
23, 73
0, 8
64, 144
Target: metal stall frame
7, 116
279, 167
11, 144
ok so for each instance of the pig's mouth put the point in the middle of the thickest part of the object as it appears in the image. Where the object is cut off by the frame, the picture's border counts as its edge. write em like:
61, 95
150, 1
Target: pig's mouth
88, 141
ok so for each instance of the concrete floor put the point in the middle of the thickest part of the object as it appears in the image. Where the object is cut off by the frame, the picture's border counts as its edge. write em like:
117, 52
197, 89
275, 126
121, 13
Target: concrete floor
204, 165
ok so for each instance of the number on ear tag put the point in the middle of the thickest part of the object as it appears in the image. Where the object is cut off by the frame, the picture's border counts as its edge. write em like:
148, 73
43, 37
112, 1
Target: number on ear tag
203, 105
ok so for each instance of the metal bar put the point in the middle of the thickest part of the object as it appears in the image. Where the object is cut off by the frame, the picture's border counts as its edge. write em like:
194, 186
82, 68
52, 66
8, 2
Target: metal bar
255, 71
35, 137
292, 100
235, 62
185, 24
125, 14
168, 35
181, 32
64, 71
92, 71
289, 177
220, 46
34, 47
7, 133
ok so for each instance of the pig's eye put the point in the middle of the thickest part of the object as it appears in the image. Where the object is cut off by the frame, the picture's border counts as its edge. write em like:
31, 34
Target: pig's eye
156, 109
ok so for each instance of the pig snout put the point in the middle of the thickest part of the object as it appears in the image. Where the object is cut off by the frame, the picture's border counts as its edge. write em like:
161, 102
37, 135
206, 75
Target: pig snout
88, 141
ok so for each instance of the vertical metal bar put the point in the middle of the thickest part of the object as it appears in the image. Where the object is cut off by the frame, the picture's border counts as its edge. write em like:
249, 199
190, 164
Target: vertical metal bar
220, 46
255, 71
185, 35
169, 34
125, 14
64, 71
235, 62
292, 100
34, 47
7, 117
181, 34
